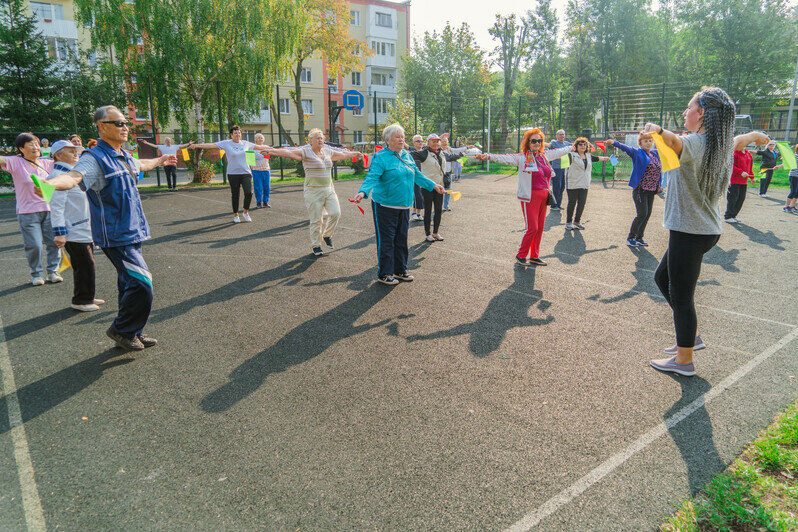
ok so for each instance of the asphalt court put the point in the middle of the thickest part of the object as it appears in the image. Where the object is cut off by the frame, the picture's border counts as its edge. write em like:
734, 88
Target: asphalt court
293, 392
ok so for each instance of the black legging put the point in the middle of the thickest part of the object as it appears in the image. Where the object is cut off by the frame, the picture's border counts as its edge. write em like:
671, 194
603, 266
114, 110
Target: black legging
171, 176
576, 198
430, 197
734, 200
644, 201
245, 182
676, 277
764, 182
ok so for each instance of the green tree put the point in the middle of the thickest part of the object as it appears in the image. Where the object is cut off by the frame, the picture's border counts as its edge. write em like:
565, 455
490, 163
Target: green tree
542, 80
83, 89
27, 85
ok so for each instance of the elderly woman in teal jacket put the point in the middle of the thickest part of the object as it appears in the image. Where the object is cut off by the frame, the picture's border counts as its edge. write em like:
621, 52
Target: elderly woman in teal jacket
390, 182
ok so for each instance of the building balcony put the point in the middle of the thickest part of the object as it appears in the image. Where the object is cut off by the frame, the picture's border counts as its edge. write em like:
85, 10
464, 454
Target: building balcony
384, 61
264, 117
64, 29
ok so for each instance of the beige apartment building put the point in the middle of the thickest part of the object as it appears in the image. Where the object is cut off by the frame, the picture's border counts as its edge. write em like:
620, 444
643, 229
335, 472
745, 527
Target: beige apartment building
382, 25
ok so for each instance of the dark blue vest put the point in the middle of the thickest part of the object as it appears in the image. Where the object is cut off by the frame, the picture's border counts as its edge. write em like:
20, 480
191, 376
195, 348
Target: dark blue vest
117, 218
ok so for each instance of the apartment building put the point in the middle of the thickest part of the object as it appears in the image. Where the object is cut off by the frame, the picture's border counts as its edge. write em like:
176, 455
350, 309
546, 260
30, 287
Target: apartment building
55, 19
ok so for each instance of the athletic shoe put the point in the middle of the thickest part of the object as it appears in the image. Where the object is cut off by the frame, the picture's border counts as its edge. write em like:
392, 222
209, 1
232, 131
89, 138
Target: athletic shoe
430, 238
579, 226
447, 209
130, 344
731, 220
406, 277
247, 217
258, 205
98, 301
267, 205
147, 341
37, 281
387, 279
328, 241
697, 346
669, 364
569, 227
631, 242
55, 278
438, 238
555, 208
641, 242
317, 251
236, 219
537, 262
764, 196
88, 307
786, 209
521, 260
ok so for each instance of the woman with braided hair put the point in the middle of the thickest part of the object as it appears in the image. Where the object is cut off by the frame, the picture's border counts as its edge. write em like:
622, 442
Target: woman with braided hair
692, 212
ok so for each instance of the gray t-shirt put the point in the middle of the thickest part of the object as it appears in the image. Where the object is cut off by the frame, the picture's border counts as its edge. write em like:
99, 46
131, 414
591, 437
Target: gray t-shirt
92, 172
686, 208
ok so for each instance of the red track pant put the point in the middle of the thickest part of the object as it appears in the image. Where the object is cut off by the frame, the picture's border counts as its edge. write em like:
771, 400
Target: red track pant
534, 218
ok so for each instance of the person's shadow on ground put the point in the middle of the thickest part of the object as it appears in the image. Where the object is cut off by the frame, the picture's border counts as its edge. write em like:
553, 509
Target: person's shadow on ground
40, 396
694, 435
724, 259
644, 278
571, 247
507, 310
302, 343
268, 233
755, 235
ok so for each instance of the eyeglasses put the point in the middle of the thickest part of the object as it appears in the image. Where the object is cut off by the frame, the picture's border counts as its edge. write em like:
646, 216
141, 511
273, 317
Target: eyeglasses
117, 123
535, 141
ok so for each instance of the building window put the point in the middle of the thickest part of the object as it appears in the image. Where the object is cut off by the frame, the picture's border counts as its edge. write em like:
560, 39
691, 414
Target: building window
354, 18
383, 48
356, 79
142, 114
307, 107
62, 49
358, 111
46, 12
306, 75
383, 105
333, 84
381, 78
357, 136
285, 106
384, 20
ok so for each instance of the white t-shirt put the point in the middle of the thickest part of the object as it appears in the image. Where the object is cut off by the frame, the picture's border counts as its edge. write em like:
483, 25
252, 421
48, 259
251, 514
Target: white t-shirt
168, 150
236, 155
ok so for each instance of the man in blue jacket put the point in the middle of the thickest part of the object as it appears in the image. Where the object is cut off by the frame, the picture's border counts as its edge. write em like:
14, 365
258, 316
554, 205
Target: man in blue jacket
558, 180
108, 174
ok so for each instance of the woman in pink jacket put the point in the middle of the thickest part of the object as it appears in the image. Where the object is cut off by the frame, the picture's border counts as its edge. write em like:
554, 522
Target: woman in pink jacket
534, 178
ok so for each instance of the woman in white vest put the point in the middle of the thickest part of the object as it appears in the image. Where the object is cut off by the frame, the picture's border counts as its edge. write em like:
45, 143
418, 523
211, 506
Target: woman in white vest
579, 182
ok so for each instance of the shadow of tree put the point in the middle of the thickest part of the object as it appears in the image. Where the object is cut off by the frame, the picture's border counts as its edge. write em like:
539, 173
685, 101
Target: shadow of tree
272, 232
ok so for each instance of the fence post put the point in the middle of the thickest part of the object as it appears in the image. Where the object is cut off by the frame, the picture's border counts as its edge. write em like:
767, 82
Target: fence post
279, 130
152, 125
451, 118
376, 138
489, 132
792, 105
221, 130
560, 113
483, 129
662, 104
519, 123
415, 112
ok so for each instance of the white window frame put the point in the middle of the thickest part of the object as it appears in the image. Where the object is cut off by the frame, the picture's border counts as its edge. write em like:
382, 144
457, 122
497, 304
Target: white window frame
383, 105
306, 75
359, 79
333, 84
142, 112
354, 17
307, 107
382, 16
357, 136
284, 106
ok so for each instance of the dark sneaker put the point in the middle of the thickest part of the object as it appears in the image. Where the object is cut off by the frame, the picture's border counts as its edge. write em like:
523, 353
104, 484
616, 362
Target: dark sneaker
631, 242
328, 241
147, 341
405, 277
641, 242
317, 251
521, 260
387, 279
698, 346
130, 344
537, 262
670, 365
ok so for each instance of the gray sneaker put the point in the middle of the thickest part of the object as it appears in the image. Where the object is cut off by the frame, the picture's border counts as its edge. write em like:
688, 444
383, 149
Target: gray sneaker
669, 364
698, 346
129, 344
55, 278
37, 281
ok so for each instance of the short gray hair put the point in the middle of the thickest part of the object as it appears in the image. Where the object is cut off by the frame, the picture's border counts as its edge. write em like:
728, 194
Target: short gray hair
102, 113
315, 132
560, 131
390, 131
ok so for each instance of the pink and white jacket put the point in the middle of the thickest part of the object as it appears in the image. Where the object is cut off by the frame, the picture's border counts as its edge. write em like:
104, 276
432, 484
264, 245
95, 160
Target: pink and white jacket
537, 180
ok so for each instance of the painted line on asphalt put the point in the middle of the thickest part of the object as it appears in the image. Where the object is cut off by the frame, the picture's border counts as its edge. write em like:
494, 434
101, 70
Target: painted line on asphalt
32, 504
567, 495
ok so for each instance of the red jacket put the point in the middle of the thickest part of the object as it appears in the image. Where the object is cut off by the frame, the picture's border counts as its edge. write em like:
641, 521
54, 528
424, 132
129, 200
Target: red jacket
743, 162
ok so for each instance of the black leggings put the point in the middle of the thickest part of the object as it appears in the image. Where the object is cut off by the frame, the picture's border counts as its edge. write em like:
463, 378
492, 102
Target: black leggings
430, 197
245, 182
644, 202
676, 277
576, 198
764, 182
171, 176
734, 200
793, 187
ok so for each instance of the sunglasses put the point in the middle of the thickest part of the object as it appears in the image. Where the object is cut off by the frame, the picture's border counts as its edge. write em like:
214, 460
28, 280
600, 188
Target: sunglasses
535, 141
117, 123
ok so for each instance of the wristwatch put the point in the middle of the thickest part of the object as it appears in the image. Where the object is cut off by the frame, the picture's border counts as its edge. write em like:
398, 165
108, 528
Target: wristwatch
660, 130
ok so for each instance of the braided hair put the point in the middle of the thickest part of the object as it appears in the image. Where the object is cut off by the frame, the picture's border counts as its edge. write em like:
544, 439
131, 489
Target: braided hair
718, 125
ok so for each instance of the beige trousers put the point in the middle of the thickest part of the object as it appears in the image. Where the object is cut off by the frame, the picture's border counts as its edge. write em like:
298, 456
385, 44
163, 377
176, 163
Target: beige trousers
318, 200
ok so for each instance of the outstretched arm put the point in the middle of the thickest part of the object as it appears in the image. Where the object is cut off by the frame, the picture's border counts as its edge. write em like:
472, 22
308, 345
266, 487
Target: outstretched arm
756, 137
282, 152
65, 181
150, 144
145, 165
341, 155
204, 146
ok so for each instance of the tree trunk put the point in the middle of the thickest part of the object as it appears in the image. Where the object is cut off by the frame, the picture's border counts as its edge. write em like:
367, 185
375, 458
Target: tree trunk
300, 112
282, 133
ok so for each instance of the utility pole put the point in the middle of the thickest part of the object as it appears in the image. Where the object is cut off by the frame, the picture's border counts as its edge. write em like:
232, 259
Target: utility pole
279, 130
152, 125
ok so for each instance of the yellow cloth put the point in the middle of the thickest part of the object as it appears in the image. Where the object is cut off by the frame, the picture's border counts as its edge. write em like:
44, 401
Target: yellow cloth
64, 264
668, 157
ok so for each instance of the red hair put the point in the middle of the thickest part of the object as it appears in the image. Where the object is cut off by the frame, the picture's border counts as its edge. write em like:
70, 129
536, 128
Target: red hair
525, 146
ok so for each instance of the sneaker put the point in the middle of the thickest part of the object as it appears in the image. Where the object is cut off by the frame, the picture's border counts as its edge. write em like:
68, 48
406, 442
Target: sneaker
317, 251
669, 364
786, 209
258, 205
267, 205
37, 281
98, 301
438, 238
730, 220
406, 277
387, 279
88, 307
521, 260
328, 241
55, 278
147, 341
130, 344
579, 226
764, 196
430, 238
537, 262
447, 209
569, 227
555, 208
631, 242
641, 242
236, 219
697, 346
247, 217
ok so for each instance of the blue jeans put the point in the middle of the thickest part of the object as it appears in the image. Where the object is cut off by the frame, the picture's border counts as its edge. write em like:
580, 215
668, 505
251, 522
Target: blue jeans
36, 233
447, 197
261, 181
134, 282
391, 228
558, 186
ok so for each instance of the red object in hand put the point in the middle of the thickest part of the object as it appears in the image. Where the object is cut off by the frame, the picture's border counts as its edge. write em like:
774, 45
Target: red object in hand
354, 159
358, 206
365, 160
601, 145
267, 156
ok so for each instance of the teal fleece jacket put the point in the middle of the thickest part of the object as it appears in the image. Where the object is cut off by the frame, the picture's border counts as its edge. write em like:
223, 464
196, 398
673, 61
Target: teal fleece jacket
391, 178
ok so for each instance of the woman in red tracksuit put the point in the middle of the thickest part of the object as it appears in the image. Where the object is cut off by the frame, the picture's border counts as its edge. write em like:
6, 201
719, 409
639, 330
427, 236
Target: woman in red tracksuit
534, 177
742, 171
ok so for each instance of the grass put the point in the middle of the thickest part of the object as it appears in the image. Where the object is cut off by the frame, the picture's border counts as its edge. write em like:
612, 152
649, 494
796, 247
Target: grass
759, 491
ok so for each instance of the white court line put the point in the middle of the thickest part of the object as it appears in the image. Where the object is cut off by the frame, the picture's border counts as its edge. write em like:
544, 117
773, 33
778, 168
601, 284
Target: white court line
567, 495
34, 515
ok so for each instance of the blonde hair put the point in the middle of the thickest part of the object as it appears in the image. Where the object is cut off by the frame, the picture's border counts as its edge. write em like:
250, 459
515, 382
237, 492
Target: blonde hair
259, 135
315, 132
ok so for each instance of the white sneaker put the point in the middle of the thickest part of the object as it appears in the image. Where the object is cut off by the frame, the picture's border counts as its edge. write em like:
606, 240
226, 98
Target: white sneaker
731, 220
236, 219
98, 301
37, 281
764, 196
90, 307
247, 218
55, 278
430, 238
569, 227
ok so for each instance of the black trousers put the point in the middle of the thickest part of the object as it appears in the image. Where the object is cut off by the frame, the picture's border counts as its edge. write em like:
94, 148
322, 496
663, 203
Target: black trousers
244, 181
391, 226
644, 202
432, 198
764, 182
576, 199
82, 258
677, 276
735, 197
171, 176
